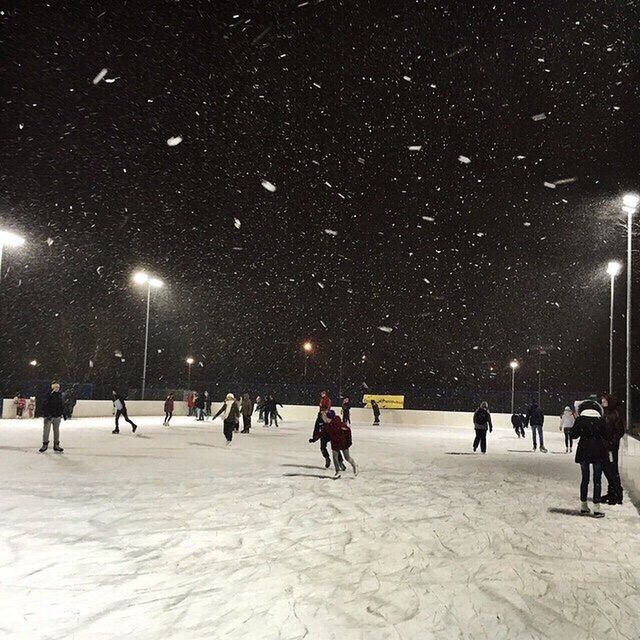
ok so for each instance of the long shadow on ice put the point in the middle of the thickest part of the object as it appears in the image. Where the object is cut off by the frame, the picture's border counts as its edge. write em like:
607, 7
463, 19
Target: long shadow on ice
460, 453
566, 512
306, 475
304, 466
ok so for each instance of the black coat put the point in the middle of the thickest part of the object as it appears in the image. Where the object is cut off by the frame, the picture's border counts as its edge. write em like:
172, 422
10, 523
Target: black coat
590, 431
614, 425
535, 416
200, 402
516, 420
53, 405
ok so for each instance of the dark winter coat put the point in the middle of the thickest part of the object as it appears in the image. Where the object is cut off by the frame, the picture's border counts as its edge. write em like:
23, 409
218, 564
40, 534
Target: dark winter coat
53, 405
168, 405
534, 416
614, 424
247, 406
589, 429
338, 433
376, 409
234, 411
517, 420
199, 402
482, 419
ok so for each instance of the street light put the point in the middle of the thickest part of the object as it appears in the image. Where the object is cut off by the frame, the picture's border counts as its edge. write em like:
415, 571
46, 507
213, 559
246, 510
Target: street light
514, 365
190, 361
307, 348
613, 269
140, 277
33, 363
629, 206
8, 239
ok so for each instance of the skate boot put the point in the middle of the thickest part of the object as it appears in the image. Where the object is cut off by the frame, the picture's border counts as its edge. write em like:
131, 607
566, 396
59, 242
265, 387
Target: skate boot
584, 509
57, 448
542, 449
327, 463
116, 430
598, 510
355, 470
44, 447
228, 442
337, 475
133, 429
343, 466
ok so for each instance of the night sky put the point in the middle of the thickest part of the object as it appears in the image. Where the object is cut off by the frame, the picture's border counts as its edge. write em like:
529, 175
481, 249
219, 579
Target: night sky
456, 246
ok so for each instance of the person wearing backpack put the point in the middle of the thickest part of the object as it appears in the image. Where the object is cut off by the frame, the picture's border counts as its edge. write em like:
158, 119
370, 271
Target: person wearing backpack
482, 422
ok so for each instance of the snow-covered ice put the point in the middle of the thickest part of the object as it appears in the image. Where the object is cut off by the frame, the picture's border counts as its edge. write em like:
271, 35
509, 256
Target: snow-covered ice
170, 534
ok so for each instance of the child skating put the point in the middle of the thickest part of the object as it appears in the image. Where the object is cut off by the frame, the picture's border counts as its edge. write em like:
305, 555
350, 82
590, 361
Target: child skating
339, 434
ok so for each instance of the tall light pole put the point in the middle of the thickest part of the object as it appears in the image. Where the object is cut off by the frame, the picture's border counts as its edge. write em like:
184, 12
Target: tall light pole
307, 347
8, 239
190, 361
514, 365
613, 269
141, 277
629, 206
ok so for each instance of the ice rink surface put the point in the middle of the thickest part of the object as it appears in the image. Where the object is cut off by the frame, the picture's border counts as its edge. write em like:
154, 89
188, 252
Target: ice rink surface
171, 534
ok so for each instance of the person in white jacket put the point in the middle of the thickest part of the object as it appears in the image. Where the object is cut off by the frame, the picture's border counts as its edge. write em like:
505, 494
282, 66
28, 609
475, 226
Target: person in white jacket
231, 416
566, 422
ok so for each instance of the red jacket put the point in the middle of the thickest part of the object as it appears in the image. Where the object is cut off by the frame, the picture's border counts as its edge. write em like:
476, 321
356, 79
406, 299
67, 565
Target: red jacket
338, 433
168, 405
325, 403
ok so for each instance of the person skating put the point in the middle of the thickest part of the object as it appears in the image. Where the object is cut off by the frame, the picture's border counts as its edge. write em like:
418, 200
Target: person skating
121, 410
517, 422
272, 409
589, 429
69, 399
535, 419
482, 422
376, 413
52, 411
168, 409
566, 422
246, 408
323, 408
339, 434
346, 412
199, 406
230, 418
260, 408
207, 404
614, 430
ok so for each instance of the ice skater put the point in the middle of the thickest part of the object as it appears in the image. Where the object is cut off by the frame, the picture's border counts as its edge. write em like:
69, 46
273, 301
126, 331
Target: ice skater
246, 408
272, 408
52, 411
323, 408
199, 405
614, 430
207, 404
121, 410
482, 422
591, 453
376, 413
230, 418
517, 422
339, 434
535, 419
566, 422
346, 412
168, 410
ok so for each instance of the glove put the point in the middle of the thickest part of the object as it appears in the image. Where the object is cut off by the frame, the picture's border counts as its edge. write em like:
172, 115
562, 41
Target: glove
311, 440
491, 430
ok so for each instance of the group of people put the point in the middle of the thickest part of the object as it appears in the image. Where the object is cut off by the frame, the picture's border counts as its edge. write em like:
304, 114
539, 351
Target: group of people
599, 427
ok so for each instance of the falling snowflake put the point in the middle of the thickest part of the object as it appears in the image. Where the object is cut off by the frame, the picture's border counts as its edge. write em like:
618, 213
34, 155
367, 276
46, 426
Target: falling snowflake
539, 116
415, 147
428, 218
549, 185
386, 329
100, 76
464, 159
268, 185
174, 142
331, 232
236, 223
407, 78
49, 241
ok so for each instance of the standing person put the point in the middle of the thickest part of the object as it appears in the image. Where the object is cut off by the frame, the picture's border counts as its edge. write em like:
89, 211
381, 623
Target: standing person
346, 412
31, 407
69, 399
517, 421
191, 403
566, 422
230, 418
260, 408
20, 403
535, 419
339, 434
246, 408
482, 422
121, 410
207, 404
198, 403
52, 411
168, 409
591, 452
614, 430
376, 413
273, 409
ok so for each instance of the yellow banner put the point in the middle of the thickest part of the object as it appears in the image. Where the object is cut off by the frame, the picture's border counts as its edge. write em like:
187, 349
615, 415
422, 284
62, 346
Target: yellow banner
384, 401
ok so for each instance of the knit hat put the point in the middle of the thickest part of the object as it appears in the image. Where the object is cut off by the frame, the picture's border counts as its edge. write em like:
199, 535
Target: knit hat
230, 396
331, 414
590, 405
